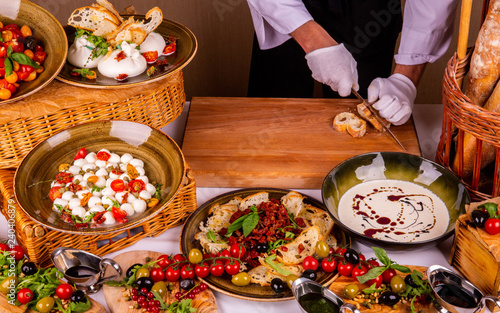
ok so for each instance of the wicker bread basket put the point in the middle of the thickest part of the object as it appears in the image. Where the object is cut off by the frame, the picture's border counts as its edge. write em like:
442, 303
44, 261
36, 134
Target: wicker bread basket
39, 241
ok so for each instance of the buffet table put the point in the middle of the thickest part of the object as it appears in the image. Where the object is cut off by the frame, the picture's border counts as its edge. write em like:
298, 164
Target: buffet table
427, 119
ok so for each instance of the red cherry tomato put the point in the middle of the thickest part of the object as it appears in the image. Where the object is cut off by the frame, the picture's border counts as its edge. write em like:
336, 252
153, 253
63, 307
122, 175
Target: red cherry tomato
11, 27
345, 268
82, 153
64, 177
136, 185
226, 254
164, 261
388, 274
157, 274
237, 250
310, 263
232, 268
358, 270
377, 281
64, 291
3, 52
201, 270
17, 252
119, 214
179, 258
172, 274
150, 56
187, 271
217, 269
492, 226
39, 57
25, 295
340, 251
118, 185
54, 193
361, 257
329, 264
373, 263
103, 155
4, 247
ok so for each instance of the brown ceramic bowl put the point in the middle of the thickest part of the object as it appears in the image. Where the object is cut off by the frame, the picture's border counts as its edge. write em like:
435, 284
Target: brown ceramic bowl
223, 283
163, 163
50, 32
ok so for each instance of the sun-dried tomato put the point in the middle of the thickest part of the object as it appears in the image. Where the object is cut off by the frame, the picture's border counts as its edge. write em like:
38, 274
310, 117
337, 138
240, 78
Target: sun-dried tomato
301, 248
99, 217
120, 56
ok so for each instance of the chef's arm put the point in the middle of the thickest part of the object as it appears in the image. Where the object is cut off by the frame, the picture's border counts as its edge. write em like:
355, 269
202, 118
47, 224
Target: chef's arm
413, 72
311, 36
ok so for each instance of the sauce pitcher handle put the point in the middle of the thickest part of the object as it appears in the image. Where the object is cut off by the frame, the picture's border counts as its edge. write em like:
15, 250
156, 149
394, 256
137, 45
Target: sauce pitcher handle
492, 299
348, 306
103, 265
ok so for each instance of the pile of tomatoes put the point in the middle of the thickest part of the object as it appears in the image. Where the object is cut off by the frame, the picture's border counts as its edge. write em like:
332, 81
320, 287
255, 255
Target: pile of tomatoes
485, 216
21, 58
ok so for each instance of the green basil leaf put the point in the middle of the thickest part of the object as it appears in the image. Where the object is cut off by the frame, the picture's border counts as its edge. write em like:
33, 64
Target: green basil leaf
22, 58
490, 207
8, 67
235, 225
372, 274
79, 307
373, 289
249, 223
382, 256
401, 268
9, 51
276, 266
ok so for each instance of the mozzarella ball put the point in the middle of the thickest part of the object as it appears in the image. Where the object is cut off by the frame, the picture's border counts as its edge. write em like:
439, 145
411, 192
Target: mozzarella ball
79, 211
113, 175
79, 162
120, 195
137, 163
97, 193
108, 200
77, 179
109, 181
101, 172
81, 193
110, 219
151, 189
124, 177
144, 195
67, 195
96, 208
115, 158
94, 200
131, 198
73, 203
61, 202
127, 207
100, 163
123, 167
101, 182
104, 150
91, 157
126, 157
144, 178
108, 192
88, 167
54, 184
74, 169
140, 170
139, 205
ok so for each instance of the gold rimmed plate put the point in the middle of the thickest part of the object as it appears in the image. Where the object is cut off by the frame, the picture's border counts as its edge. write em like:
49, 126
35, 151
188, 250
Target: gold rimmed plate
223, 283
186, 50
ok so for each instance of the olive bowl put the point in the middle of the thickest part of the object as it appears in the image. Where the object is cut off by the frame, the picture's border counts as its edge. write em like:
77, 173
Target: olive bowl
162, 157
47, 29
394, 166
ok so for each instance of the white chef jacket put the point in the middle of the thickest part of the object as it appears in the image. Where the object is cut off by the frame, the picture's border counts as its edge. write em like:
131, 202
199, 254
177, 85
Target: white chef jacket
426, 34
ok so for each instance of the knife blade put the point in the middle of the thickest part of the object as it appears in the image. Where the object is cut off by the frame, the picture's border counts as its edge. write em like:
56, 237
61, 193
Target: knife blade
372, 110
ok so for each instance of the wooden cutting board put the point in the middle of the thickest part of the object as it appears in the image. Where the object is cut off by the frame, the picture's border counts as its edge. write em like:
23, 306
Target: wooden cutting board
204, 302
282, 143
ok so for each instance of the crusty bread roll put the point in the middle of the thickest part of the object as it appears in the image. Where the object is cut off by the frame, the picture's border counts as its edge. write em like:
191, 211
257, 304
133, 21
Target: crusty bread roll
485, 62
350, 123
367, 115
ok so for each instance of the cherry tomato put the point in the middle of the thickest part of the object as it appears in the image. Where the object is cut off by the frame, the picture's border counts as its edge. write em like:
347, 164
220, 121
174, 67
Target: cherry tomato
117, 185
150, 56
17, 47
55, 192
23, 76
103, 155
340, 251
237, 250
5, 94
164, 261
172, 274
232, 268
226, 254
187, 271
345, 268
12, 78
17, 252
119, 214
64, 291
136, 185
358, 270
4, 247
3, 51
388, 274
26, 31
373, 262
310, 263
170, 48
492, 226
39, 57
217, 269
329, 264
157, 274
82, 153
362, 257
179, 258
25, 295
377, 281
64, 177
11, 27
201, 270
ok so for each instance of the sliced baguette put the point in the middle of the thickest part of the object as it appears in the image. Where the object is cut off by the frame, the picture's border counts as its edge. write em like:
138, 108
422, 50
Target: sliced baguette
293, 201
156, 16
254, 199
90, 17
365, 113
258, 275
220, 217
341, 121
105, 28
111, 9
304, 245
350, 123
208, 245
324, 221
356, 128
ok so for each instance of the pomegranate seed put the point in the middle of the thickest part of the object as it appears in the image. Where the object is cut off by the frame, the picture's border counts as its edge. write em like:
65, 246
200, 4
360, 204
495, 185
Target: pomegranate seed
178, 295
144, 290
203, 286
134, 297
150, 295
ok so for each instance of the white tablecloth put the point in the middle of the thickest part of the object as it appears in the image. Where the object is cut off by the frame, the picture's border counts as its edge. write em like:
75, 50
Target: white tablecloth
428, 120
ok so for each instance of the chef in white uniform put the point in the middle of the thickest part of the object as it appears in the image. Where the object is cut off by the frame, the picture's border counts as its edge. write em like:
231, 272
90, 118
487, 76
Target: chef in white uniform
334, 40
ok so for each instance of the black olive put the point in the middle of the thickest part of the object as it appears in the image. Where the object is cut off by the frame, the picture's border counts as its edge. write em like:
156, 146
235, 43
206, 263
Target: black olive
187, 284
261, 247
145, 282
409, 281
29, 268
389, 298
479, 217
129, 271
277, 285
351, 256
309, 274
78, 296
30, 42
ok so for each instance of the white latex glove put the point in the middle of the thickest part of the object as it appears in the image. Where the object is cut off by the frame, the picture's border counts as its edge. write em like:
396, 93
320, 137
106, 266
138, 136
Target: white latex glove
396, 95
335, 67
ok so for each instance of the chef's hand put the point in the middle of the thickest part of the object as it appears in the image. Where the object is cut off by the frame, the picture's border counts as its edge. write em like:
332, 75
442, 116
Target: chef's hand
335, 67
395, 95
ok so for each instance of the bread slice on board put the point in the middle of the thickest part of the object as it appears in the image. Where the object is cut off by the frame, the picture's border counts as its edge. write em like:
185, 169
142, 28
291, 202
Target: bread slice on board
350, 123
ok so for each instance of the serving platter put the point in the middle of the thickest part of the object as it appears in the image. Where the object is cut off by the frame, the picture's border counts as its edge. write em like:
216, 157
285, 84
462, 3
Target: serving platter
204, 302
186, 50
223, 283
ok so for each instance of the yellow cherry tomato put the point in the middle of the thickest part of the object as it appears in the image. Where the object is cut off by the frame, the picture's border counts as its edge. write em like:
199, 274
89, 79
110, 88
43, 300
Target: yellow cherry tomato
5, 94
31, 77
39, 70
29, 53
26, 31
16, 66
12, 78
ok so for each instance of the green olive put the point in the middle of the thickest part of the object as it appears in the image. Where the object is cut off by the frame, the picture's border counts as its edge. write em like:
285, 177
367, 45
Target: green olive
290, 279
160, 287
241, 279
322, 249
350, 291
141, 272
195, 256
44, 305
398, 284
8, 283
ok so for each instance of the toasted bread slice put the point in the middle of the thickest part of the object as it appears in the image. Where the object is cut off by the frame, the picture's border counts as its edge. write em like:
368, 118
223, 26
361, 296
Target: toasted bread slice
308, 212
341, 121
106, 27
304, 245
90, 17
220, 217
356, 128
254, 199
324, 221
258, 275
111, 9
208, 245
331, 241
365, 113
293, 201
156, 16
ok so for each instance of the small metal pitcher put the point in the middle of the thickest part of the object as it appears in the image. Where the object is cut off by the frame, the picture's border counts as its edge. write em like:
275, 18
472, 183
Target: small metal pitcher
437, 275
303, 286
83, 268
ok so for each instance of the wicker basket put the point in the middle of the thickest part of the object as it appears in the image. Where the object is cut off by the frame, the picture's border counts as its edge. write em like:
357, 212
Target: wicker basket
25, 123
39, 241
460, 116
